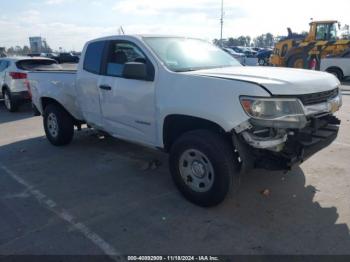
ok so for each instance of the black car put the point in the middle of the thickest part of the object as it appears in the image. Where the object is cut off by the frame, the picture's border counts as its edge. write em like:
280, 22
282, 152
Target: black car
66, 58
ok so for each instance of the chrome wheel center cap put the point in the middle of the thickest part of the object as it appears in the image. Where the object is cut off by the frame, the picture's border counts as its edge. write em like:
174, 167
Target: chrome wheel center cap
198, 169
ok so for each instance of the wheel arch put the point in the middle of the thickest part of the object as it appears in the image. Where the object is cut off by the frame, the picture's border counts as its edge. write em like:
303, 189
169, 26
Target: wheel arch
4, 87
329, 69
45, 101
175, 125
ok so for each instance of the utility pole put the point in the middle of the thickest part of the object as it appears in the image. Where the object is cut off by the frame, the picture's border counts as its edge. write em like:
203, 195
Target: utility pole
222, 21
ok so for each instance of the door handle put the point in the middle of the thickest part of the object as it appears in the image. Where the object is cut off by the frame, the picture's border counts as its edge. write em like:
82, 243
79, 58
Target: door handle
105, 87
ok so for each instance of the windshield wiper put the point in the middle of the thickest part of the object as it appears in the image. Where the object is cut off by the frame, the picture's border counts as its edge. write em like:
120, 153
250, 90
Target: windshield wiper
185, 70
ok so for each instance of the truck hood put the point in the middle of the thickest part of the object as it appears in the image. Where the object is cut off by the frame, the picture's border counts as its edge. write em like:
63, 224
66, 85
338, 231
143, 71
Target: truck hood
277, 80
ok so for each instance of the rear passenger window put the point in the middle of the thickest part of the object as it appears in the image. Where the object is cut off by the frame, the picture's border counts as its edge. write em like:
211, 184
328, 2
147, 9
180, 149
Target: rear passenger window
93, 57
3, 65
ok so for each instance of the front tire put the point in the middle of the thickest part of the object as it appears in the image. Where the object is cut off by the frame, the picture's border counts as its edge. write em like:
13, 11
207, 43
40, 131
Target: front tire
202, 165
10, 104
58, 125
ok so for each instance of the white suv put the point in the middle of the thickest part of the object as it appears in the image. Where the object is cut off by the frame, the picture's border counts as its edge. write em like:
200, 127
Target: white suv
13, 78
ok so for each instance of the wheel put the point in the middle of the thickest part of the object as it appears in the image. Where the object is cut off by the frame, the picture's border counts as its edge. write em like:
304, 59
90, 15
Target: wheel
336, 72
58, 125
202, 165
10, 104
296, 61
261, 62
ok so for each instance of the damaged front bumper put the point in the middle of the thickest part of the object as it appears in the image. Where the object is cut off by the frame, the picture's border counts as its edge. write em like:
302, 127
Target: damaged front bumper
280, 149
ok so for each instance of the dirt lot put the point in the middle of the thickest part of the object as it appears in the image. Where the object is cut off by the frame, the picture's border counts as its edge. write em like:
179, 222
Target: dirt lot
98, 196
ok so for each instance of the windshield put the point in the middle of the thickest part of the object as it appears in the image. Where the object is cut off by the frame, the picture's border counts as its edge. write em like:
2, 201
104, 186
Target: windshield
185, 54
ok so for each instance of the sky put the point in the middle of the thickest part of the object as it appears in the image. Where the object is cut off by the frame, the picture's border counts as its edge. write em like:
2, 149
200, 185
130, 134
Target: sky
70, 23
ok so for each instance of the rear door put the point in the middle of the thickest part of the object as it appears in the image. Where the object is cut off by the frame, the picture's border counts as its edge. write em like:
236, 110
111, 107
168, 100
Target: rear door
88, 83
128, 105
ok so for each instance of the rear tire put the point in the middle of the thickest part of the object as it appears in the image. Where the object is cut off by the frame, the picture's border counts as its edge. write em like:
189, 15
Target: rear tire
202, 165
296, 61
10, 104
58, 125
336, 72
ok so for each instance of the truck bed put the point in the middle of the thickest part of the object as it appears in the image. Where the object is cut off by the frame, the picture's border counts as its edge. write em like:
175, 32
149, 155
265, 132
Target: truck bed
58, 85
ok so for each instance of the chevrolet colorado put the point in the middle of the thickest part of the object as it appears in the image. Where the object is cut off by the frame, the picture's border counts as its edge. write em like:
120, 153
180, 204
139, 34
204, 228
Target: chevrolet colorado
187, 97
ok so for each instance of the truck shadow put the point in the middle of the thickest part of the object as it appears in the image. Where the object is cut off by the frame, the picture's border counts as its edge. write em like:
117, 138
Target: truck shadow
25, 111
346, 82
108, 183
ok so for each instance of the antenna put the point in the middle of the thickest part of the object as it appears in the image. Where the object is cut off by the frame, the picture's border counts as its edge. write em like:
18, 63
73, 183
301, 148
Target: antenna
121, 30
222, 21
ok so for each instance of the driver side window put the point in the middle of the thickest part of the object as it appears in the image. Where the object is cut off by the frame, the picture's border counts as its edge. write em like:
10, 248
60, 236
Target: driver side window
121, 53
3, 65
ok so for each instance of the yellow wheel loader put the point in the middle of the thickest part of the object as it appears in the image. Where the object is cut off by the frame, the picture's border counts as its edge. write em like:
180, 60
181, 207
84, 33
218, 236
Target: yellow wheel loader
298, 51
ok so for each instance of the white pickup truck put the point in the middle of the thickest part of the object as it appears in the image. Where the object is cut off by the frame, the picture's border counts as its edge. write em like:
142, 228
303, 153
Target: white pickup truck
187, 97
338, 66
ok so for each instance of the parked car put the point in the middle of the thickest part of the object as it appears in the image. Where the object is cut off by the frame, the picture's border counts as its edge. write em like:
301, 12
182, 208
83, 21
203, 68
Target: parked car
66, 58
258, 49
13, 78
239, 56
34, 54
249, 52
250, 57
237, 49
189, 98
264, 57
338, 66
48, 55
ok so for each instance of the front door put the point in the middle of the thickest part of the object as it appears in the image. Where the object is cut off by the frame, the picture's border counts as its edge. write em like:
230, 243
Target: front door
128, 105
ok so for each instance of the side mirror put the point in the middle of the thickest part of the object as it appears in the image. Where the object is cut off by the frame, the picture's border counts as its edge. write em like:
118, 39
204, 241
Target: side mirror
135, 70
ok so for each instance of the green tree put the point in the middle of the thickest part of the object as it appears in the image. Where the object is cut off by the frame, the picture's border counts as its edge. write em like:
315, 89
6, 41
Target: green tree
264, 40
233, 41
25, 50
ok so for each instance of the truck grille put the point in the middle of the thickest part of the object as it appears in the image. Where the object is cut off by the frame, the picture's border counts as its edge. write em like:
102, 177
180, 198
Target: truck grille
317, 98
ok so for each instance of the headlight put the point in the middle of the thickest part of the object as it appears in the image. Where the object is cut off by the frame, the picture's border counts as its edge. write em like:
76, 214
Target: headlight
275, 112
